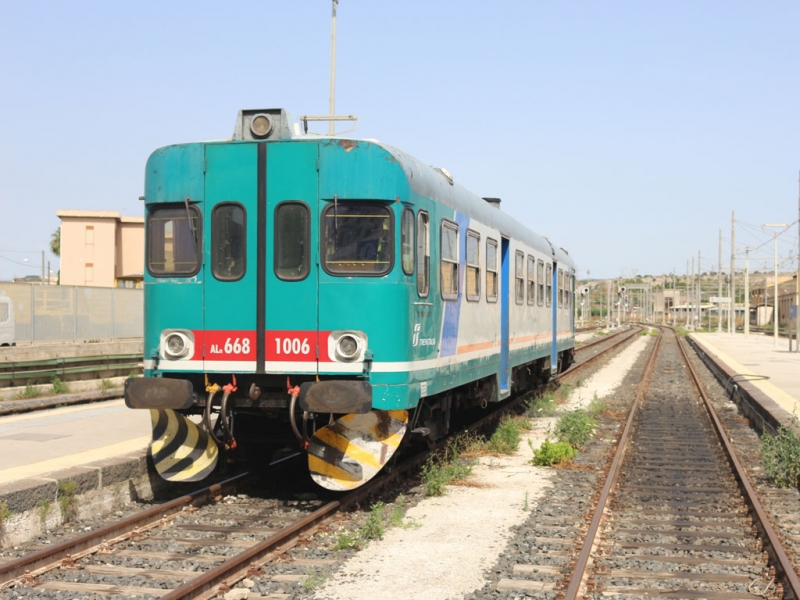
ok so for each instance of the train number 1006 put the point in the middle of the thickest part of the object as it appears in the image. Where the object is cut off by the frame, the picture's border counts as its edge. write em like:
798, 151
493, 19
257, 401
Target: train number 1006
292, 346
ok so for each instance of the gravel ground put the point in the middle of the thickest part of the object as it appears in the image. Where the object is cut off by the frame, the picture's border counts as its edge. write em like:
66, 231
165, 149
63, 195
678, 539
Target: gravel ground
455, 540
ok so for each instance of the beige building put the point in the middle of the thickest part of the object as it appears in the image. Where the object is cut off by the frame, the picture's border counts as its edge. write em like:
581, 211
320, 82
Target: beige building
100, 248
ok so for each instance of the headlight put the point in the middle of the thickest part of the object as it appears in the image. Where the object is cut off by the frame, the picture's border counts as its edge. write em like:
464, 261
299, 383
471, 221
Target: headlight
177, 344
347, 346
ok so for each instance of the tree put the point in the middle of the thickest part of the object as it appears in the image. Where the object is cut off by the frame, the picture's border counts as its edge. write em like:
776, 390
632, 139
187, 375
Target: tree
55, 242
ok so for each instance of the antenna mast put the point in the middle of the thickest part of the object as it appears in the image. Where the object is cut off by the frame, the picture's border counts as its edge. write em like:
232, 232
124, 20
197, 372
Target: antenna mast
332, 109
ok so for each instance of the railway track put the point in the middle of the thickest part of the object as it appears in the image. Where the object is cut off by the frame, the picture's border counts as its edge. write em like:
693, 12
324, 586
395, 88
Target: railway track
203, 543
683, 520
672, 514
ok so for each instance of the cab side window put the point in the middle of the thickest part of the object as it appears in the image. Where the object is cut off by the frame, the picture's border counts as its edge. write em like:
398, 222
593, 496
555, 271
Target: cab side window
423, 254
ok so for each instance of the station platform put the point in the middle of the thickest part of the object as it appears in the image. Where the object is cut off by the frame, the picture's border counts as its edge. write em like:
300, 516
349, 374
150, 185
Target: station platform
755, 362
100, 449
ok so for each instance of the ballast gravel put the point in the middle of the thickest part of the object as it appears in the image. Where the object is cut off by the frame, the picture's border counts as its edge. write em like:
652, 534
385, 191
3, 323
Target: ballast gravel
453, 540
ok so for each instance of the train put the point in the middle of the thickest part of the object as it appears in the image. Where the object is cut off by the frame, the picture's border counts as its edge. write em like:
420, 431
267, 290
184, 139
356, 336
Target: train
334, 296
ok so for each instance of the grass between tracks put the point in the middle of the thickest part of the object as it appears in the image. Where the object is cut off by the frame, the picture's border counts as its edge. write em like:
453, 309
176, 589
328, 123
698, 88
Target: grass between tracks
780, 456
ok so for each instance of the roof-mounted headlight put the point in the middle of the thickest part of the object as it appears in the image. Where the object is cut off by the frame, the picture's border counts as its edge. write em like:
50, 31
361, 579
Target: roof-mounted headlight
260, 126
177, 344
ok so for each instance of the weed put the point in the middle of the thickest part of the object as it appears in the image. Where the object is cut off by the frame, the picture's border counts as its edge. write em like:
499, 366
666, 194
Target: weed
29, 392
644, 332
43, 508
469, 444
347, 540
575, 427
780, 456
681, 331
549, 453
541, 406
596, 406
564, 391
107, 384
505, 438
5, 513
525, 505
68, 500
312, 581
443, 469
373, 527
396, 516
59, 387
654, 333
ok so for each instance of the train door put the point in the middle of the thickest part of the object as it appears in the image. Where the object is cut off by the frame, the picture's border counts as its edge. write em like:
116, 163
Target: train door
292, 267
229, 268
553, 296
504, 306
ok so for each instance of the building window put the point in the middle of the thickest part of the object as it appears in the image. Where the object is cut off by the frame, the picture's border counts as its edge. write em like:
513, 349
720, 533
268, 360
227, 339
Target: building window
90, 235
89, 273
292, 233
531, 287
519, 284
174, 241
491, 270
449, 263
473, 283
549, 285
228, 241
423, 255
407, 241
357, 239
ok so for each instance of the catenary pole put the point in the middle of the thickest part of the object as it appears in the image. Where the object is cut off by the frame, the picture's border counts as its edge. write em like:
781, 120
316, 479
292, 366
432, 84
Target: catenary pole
719, 285
732, 309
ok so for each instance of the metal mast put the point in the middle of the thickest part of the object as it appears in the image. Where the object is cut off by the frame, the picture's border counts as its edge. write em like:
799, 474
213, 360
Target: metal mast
332, 106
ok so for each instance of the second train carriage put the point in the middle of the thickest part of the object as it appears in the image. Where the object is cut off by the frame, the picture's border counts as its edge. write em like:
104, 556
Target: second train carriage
334, 292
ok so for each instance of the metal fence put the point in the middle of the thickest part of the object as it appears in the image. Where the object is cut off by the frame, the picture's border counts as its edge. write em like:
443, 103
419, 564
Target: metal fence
52, 313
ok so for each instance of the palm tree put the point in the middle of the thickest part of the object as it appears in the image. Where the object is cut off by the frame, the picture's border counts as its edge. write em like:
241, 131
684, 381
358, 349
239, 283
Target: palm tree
55, 242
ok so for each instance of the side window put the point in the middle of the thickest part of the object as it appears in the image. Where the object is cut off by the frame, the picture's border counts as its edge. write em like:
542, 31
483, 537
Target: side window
407, 241
491, 270
549, 285
519, 285
560, 283
449, 266
572, 291
228, 241
531, 281
292, 233
174, 242
423, 255
473, 266
358, 239
540, 279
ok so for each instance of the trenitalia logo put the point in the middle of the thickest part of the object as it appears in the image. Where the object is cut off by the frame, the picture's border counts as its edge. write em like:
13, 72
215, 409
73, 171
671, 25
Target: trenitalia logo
418, 341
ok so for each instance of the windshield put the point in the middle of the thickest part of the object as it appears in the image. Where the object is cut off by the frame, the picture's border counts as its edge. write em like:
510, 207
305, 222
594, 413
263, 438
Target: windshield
358, 239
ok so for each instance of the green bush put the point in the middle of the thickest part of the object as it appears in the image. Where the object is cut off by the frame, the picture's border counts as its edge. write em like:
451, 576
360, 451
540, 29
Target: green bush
541, 406
780, 457
506, 437
59, 387
441, 470
549, 453
373, 526
575, 427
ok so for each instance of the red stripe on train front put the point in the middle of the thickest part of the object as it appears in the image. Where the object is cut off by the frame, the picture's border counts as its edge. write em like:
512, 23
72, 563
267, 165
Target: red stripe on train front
295, 346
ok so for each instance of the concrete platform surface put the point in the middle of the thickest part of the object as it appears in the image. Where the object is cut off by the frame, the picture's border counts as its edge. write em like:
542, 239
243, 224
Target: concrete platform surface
774, 371
37, 443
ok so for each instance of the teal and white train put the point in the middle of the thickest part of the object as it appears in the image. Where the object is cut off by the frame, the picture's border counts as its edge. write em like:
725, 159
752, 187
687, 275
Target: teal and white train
332, 293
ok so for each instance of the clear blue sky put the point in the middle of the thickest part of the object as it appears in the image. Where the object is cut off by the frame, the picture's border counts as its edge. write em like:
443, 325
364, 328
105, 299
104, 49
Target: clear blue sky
626, 132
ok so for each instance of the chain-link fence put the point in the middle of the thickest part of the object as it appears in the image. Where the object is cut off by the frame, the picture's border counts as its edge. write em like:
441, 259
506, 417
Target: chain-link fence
51, 313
